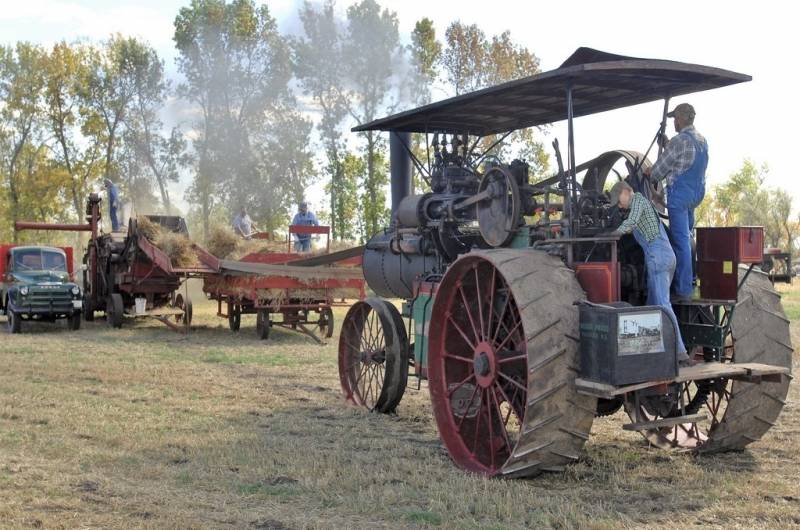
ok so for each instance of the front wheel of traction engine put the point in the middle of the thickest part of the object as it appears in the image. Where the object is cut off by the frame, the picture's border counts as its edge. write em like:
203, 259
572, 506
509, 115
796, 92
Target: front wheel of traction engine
373, 355
503, 354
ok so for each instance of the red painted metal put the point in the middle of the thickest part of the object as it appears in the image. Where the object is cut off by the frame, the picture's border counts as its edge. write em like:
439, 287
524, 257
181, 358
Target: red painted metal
26, 225
742, 244
307, 229
6, 247
600, 280
719, 280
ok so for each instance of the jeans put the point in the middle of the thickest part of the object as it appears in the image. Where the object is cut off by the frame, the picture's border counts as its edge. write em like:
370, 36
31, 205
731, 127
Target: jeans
112, 212
681, 223
302, 245
660, 263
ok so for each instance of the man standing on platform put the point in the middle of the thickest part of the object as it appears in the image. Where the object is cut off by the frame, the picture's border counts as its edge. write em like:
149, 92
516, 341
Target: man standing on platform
683, 165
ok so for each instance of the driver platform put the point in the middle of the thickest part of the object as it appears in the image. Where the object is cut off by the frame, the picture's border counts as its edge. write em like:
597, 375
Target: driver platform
754, 372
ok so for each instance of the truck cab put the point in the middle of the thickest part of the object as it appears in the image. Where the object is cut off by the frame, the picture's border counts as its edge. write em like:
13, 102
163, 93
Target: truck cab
36, 285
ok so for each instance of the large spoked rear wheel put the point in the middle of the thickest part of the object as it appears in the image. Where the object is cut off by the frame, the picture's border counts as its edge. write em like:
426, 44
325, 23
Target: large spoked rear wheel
737, 412
502, 355
373, 355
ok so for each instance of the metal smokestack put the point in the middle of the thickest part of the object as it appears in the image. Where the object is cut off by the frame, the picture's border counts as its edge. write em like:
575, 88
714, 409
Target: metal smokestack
399, 166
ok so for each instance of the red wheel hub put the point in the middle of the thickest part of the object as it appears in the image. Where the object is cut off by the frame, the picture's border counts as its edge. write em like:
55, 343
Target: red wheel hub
485, 364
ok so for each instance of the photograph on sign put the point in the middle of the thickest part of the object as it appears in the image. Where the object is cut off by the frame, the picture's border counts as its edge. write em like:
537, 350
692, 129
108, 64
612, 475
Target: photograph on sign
639, 333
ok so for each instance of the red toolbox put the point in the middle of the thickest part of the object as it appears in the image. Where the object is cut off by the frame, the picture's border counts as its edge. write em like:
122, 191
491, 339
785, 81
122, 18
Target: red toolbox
742, 244
719, 253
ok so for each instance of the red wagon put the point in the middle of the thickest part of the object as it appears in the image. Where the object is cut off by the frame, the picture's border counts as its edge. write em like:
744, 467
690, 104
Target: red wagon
287, 289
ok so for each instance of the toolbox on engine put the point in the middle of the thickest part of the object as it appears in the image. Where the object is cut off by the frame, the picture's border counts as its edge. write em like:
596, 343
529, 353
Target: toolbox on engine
720, 250
626, 345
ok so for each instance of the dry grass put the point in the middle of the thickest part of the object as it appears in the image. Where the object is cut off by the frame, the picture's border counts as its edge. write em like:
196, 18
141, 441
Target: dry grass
177, 247
143, 428
222, 241
147, 228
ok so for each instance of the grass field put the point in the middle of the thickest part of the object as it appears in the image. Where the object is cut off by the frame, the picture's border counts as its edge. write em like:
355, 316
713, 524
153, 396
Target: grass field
143, 428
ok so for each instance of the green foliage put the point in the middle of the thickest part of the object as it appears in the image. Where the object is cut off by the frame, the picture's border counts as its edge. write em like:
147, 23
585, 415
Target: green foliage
426, 52
344, 218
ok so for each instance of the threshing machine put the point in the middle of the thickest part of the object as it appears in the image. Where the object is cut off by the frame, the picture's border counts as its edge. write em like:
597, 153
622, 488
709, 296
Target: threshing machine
509, 286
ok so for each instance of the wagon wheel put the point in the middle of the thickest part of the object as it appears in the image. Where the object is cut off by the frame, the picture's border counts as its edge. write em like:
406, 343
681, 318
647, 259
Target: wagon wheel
373, 355
263, 324
186, 307
234, 316
325, 324
738, 412
501, 355
114, 310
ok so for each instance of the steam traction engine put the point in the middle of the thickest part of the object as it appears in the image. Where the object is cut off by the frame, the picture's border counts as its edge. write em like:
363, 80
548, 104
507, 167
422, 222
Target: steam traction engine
525, 316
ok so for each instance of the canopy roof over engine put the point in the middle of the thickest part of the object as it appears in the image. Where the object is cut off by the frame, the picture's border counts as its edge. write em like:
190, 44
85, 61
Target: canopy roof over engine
600, 81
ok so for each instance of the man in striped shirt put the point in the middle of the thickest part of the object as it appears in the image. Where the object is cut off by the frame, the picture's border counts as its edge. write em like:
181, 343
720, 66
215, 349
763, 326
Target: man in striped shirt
682, 166
659, 258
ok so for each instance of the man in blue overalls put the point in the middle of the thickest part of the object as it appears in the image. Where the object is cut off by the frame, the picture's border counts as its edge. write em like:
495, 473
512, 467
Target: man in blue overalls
683, 164
113, 203
659, 258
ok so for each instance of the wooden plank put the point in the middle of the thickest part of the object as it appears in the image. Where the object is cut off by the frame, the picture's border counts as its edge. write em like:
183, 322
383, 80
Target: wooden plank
664, 422
699, 371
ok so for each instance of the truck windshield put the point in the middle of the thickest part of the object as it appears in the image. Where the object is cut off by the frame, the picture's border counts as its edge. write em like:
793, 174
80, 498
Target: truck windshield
36, 259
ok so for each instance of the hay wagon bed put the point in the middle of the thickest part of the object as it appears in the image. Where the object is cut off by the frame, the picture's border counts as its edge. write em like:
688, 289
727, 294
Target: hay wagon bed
286, 290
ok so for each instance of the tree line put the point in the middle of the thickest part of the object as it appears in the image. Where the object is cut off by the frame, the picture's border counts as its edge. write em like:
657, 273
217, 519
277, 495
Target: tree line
258, 116
262, 115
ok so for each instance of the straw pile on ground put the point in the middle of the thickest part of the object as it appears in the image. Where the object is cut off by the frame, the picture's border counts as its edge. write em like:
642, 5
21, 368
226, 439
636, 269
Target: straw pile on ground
176, 246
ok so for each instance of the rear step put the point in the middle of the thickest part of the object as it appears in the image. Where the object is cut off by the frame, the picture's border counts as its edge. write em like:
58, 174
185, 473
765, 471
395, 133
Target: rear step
664, 422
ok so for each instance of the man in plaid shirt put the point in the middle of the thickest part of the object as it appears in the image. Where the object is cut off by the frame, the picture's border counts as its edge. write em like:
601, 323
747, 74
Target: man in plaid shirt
682, 166
659, 258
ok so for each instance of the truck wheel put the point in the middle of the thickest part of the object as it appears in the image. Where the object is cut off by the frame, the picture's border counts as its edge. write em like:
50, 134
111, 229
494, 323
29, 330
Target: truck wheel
88, 309
262, 324
14, 322
114, 309
74, 321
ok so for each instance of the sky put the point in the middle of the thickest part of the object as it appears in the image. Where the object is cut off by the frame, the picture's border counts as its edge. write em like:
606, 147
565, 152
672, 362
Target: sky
752, 120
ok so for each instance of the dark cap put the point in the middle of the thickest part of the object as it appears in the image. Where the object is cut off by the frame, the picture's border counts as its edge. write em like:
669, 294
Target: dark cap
684, 109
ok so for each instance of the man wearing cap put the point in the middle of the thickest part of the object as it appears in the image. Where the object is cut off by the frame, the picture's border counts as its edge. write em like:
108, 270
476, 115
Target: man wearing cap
113, 203
303, 217
683, 165
659, 258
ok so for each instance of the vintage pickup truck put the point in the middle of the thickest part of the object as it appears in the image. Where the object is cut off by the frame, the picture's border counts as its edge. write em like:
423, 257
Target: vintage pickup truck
36, 285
